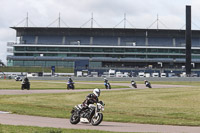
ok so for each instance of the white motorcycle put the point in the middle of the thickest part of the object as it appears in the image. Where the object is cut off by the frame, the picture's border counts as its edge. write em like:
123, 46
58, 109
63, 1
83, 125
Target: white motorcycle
92, 114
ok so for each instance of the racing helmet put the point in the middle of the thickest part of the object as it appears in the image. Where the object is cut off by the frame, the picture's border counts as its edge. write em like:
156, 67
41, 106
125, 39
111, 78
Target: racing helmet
97, 92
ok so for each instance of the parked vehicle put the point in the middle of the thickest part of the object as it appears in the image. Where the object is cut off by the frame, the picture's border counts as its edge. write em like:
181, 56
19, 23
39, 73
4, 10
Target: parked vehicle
18, 78
163, 75
141, 74
155, 74
119, 74
93, 114
111, 73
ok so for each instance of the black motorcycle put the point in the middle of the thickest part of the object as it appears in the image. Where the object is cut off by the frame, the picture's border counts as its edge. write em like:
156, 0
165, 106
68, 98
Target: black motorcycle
107, 85
70, 85
92, 114
148, 84
133, 83
25, 85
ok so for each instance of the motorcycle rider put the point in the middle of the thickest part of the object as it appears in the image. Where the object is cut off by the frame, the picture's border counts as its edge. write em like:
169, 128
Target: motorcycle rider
26, 80
133, 83
147, 82
25, 83
91, 99
70, 80
70, 83
105, 81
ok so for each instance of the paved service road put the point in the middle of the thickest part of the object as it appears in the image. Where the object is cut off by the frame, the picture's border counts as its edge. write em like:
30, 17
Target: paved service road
13, 119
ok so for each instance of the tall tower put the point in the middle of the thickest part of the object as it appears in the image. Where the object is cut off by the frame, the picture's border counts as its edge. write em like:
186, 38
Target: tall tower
188, 40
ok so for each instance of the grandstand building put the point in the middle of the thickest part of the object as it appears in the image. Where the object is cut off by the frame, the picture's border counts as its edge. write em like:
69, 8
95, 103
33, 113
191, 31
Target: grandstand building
100, 49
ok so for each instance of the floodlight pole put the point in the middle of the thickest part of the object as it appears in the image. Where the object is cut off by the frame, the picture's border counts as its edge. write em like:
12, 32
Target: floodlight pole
188, 40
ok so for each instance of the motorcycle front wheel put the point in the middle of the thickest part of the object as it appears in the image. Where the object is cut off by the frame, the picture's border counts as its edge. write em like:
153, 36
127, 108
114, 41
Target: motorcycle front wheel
96, 120
74, 119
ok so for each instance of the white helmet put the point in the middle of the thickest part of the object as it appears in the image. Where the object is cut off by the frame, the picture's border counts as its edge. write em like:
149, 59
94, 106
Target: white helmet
97, 92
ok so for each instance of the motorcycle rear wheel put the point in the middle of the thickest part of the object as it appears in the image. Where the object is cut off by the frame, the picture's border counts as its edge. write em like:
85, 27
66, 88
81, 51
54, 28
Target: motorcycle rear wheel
96, 120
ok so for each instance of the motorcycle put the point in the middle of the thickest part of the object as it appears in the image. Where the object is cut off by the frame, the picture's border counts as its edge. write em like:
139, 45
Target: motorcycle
148, 84
133, 83
92, 114
25, 85
70, 85
107, 85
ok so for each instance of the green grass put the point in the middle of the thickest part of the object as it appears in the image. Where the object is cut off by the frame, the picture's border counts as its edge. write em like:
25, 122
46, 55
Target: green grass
31, 129
172, 106
36, 69
36, 85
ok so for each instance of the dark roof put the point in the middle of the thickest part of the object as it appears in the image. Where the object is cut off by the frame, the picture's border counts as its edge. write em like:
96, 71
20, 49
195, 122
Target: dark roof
102, 31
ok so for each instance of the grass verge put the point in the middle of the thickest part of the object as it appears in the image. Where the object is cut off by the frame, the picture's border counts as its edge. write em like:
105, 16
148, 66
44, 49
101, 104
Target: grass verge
38, 85
170, 106
32, 129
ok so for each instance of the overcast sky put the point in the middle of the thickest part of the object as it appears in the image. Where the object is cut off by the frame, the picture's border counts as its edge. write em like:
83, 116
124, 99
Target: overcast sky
107, 14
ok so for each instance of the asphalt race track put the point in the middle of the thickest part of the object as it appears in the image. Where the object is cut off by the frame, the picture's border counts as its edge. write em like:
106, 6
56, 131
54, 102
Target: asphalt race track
13, 119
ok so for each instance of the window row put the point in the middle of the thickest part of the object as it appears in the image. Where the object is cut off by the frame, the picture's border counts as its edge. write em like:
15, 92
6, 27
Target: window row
117, 50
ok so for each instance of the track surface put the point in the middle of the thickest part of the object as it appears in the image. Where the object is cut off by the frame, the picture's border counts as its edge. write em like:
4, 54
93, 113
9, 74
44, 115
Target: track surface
139, 86
14, 119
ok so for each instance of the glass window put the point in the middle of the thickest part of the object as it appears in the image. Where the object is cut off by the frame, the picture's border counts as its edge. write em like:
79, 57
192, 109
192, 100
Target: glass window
141, 50
98, 55
140, 56
19, 54
19, 48
119, 50
152, 56
131, 50
18, 63
196, 51
74, 49
85, 49
64, 49
51, 54
29, 63
52, 49
39, 63
50, 63
152, 50
97, 49
95, 64
30, 48
174, 51
72, 55
162, 50
41, 48
108, 50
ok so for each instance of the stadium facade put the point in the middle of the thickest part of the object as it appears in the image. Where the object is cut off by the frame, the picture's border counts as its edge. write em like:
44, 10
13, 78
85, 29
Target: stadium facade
100, 49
